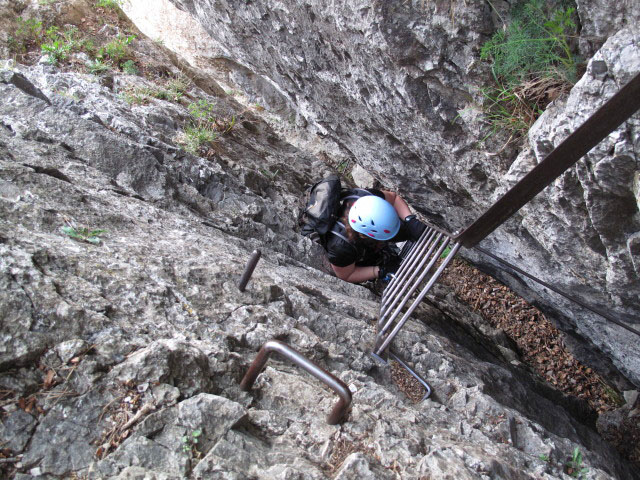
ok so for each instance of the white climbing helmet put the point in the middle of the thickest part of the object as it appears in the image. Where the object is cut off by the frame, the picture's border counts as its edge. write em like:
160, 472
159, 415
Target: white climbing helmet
375, 217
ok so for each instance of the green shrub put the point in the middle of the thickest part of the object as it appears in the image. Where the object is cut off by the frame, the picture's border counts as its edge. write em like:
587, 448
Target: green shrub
204, 126
28, 33
129, 67
83, 234
195, 136
98, 67
109, 4
532, 63
574, 466
535, 43
56, 50
117, 49
202, 110
58, 45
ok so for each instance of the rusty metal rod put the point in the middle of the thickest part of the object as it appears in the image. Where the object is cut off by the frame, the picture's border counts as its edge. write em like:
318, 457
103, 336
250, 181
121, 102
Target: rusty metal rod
248, 270
415, 304
600, 124
333, 382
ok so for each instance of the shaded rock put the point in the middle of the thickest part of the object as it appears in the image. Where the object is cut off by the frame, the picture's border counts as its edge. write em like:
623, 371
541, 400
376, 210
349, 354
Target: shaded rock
169, 361
357, 465
16, 429
396, 88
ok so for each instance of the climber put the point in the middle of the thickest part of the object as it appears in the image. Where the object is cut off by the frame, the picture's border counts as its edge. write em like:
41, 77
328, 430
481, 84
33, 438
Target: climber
358, 248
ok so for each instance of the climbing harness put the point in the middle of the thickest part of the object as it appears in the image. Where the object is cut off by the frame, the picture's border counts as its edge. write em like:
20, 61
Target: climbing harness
415, 274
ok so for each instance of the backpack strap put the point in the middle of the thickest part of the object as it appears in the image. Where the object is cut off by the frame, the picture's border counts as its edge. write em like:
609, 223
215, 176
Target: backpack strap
353, 194
338, 234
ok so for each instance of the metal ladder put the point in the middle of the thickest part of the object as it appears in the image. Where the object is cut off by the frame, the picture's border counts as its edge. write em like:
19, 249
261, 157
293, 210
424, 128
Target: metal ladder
417, 272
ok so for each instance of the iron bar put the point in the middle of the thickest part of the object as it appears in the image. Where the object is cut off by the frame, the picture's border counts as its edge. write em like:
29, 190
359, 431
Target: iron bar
415, 375
600, 124
415, 304
248, 270
407, 266
413, 252
384, 309
432, 260
333, 382
595, 310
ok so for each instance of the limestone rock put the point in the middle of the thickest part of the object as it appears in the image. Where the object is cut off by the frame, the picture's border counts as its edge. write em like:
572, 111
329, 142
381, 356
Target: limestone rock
397, 86
146, 331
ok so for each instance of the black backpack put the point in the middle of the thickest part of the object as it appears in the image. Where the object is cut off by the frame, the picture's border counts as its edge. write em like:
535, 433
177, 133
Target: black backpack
323, 204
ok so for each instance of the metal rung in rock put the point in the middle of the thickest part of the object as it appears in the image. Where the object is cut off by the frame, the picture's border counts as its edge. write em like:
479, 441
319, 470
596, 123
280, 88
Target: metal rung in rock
334, 383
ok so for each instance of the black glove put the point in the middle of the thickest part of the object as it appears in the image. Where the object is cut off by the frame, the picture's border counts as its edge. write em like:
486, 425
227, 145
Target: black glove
414, 227
390, 264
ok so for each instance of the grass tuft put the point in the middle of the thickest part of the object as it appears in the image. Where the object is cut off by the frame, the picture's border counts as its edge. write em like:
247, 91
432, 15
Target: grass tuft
532, 63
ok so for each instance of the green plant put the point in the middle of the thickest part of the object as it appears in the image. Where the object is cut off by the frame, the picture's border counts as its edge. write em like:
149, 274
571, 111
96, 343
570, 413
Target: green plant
172, 91
204, 127
129, 67
28, 33
110, 4
59, 44
269, 174
532, 63
343, 166
83, 234
544, 458
446, 252
535, 43
117, 49
98, 67
190, 443
201, 111
177, 87
196, 136
574, 465
135, 97
56, 50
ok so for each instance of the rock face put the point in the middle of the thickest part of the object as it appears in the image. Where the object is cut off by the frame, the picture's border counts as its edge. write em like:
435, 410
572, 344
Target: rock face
120, 357
141, 339
395, 86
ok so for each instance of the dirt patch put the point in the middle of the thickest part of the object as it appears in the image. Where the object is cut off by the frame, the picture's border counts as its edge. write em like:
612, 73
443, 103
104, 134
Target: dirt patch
407, 383
540, 344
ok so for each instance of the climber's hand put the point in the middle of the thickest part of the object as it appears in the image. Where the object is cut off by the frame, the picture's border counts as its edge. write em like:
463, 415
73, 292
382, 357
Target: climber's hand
390, 264
415, 227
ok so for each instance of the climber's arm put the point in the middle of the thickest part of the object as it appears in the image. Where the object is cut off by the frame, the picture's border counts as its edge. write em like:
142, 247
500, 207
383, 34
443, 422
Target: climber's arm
354, 274
402, 209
